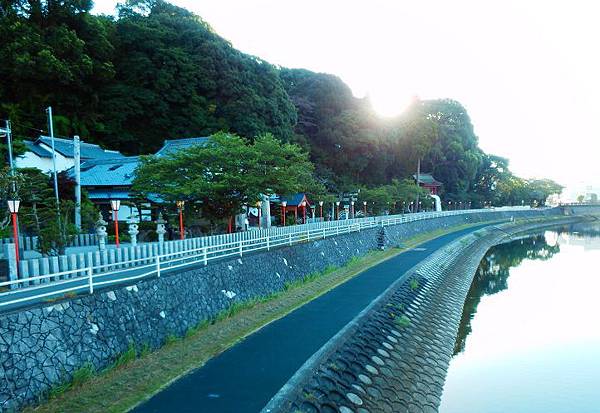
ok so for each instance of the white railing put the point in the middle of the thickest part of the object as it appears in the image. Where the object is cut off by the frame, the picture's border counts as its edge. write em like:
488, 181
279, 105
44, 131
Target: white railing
88, 278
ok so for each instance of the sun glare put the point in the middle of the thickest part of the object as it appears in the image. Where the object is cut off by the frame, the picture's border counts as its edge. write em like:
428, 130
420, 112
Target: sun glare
389, 104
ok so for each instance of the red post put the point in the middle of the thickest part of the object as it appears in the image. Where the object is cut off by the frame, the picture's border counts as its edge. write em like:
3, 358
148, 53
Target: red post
304, 214
181, 229
229, 225
321, 207
16, 237
116, 219
337, 211
283, 215
365, 209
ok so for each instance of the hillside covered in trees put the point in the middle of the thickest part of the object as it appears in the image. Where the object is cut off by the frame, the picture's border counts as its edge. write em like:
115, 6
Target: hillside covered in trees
157, 71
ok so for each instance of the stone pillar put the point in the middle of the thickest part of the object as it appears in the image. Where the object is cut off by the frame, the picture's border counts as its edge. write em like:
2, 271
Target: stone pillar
101, 232
265, 206
10, 255
160, 229
133, 230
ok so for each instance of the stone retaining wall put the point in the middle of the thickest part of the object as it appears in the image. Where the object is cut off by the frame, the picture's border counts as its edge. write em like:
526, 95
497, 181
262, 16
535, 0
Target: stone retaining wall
393, 357
42, 347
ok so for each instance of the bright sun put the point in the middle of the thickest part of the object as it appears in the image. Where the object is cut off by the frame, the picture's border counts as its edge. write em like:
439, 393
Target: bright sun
389, 103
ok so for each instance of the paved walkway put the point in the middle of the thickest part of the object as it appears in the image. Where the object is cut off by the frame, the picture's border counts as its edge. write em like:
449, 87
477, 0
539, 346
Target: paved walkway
245, 377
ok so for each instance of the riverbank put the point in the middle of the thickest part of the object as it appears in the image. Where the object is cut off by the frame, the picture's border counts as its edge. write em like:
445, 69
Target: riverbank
394, 355
54, 344
121, 388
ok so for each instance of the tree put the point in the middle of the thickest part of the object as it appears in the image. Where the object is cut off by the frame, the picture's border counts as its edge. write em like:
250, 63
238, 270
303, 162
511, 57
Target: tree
227, 173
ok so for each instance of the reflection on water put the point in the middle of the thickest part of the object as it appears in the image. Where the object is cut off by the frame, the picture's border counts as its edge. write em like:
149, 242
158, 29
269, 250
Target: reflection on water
529, 338
492, 275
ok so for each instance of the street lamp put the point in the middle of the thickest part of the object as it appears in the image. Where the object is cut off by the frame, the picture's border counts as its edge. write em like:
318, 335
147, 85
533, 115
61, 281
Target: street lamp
115, 204
283, 205
321, 209
365, 207
13, 207
352, 207
180, 206
337, 209
304, 212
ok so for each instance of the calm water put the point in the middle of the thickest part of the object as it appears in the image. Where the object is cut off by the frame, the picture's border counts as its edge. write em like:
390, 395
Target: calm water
529, 339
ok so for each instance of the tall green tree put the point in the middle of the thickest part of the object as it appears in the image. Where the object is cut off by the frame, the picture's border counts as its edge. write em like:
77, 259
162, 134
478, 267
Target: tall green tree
227, 173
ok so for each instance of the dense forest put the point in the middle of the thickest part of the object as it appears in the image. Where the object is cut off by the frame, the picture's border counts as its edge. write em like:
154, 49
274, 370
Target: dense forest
156, 71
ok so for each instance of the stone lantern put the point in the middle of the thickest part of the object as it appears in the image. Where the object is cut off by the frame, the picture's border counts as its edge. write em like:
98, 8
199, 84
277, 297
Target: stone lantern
133, 230
101, 231
160, 229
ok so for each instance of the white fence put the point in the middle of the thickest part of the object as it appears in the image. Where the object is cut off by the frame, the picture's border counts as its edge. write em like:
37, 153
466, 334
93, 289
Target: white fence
87, 271
30, 243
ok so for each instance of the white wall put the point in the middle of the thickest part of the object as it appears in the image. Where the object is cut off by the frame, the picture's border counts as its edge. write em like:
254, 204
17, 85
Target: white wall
31, 160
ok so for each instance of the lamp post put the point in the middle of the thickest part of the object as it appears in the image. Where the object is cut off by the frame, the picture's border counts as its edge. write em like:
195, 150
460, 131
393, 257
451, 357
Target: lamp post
115, 204
321, 209
449, 205
283, 205
337, 210
303, 212
365, 207
352, 209
180, 206
13, 207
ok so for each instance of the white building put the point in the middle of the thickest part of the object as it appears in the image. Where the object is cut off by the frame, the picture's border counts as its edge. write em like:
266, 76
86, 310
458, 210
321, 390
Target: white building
39, 154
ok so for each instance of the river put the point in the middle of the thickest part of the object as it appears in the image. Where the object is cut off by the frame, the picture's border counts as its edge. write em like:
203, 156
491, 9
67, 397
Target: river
529, 338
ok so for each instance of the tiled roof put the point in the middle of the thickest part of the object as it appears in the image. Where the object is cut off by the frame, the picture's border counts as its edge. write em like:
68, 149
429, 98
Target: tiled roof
37, 149
108, 172
294, 200
88, 150
174, 145
427, 179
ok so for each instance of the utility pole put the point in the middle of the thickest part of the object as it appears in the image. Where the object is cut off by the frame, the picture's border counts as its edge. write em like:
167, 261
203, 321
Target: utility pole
77, 169
51, 130
418, 184
10, 156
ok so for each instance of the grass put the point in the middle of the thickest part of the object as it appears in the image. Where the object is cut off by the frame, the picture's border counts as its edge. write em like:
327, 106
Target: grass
65, 296
402, 321
414, 284
137, 375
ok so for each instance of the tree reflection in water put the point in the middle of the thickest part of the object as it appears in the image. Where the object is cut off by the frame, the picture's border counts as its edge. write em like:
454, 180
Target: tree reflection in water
492, 276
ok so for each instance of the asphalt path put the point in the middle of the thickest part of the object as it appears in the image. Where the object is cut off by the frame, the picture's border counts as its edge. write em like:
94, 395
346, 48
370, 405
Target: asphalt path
246, 376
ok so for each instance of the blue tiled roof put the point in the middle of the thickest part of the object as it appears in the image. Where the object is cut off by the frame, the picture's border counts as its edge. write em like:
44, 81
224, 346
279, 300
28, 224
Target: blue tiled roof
108, 172
174, 145
88, 150
427, 179
293, 200
37, 149
108, 193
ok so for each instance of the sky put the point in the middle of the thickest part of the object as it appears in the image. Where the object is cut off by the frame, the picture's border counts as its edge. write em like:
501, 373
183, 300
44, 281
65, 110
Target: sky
528, 72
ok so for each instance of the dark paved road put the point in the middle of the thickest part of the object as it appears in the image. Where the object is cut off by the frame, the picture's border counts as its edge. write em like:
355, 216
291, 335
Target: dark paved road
245, 377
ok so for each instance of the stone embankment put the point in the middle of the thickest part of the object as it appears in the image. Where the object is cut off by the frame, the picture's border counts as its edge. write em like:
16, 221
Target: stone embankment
394, 356
43, 346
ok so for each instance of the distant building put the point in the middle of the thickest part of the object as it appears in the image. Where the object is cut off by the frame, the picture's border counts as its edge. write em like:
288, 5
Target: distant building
427, 181
39, 154
112, 178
